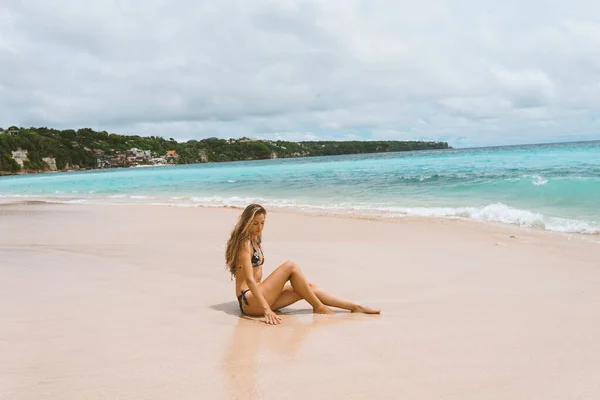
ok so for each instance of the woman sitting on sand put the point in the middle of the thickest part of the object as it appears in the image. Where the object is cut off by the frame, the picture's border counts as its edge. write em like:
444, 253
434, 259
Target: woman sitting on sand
245, 258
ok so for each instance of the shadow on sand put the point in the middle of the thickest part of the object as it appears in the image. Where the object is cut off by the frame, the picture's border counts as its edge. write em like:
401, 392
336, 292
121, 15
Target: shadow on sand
232, 308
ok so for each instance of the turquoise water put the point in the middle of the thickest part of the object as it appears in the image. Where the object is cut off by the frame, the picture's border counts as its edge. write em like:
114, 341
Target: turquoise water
552, 186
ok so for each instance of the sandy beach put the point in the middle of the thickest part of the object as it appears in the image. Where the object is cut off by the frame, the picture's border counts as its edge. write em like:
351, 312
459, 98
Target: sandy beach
134, 302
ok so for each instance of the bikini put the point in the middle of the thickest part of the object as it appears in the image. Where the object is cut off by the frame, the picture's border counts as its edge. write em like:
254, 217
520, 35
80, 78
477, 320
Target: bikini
255, 263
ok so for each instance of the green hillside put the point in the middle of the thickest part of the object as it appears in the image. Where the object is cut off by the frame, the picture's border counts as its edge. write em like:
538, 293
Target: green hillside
89, 149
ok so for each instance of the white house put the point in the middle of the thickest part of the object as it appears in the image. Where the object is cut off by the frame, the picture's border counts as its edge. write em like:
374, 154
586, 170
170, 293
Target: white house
140, 154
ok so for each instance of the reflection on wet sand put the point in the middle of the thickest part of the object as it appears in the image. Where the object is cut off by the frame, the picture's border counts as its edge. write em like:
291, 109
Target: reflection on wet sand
252, 337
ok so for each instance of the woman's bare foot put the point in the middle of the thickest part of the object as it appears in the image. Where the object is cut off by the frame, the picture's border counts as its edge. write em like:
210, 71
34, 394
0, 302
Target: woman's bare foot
323, 310
365, 310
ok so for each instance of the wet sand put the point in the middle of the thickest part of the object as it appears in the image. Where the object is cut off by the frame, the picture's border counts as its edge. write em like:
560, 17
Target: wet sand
134, 302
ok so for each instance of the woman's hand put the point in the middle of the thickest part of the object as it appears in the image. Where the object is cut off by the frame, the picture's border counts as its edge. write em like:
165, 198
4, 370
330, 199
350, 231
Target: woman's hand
271, 318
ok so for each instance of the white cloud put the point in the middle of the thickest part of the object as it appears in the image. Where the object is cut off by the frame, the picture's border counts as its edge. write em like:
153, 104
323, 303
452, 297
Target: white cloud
471, 73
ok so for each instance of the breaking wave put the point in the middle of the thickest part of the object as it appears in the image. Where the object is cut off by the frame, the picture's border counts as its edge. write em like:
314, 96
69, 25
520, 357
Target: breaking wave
495, 213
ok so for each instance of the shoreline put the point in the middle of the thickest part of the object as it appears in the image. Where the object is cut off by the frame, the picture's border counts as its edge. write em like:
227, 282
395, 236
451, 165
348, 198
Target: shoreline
26, 199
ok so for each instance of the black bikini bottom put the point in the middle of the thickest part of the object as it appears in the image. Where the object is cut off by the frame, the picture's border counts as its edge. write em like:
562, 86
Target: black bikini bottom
243, 296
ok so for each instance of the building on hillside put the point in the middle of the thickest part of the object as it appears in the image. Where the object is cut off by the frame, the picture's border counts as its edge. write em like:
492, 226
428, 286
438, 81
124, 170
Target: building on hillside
171, 156
103, 163
118, 159
157, 161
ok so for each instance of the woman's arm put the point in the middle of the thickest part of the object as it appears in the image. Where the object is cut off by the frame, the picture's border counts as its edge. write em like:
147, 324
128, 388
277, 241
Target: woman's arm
246, 261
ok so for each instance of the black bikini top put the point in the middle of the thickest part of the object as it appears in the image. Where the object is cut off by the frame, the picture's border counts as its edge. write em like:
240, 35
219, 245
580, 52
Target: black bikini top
256, 259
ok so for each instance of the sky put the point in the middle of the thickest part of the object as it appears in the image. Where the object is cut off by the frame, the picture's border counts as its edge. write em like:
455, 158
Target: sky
468, 72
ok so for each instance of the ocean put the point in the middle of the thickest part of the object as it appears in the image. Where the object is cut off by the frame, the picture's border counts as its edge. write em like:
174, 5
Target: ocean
554, 187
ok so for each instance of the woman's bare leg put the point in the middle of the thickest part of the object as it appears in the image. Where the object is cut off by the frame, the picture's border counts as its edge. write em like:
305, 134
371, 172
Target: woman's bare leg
333, 301
272, 288
288, 296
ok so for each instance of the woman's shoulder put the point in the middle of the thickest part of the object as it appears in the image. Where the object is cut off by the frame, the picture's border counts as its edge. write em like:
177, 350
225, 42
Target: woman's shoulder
246, 246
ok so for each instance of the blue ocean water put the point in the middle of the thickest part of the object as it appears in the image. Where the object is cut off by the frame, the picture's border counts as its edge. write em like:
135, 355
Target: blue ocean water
554, 187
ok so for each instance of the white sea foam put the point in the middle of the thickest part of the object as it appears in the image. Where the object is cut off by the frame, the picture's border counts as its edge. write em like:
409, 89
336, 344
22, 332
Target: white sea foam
538, 180
491, 213
497, 213
508, 215
16, 196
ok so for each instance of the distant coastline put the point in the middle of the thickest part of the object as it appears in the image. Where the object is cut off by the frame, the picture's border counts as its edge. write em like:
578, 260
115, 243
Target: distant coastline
35, 150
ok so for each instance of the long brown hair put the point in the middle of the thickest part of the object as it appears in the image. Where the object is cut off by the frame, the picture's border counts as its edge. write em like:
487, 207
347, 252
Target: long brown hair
241, 234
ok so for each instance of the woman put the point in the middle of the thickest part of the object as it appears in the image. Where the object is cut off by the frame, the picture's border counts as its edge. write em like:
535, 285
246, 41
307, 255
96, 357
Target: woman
244, 258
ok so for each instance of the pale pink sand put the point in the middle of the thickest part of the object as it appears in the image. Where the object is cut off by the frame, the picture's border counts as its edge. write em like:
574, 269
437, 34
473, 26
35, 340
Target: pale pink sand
133, 302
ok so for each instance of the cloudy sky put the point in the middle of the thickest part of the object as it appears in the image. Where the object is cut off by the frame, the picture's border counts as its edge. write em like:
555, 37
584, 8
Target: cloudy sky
470, 72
